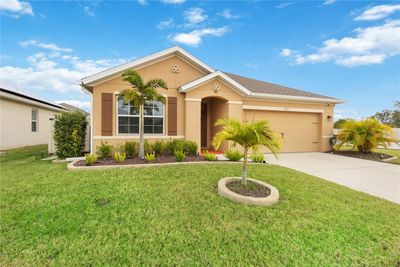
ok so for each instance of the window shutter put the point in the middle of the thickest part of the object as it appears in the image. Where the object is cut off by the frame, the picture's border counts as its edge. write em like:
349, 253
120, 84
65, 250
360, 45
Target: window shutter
106, 114
172, 116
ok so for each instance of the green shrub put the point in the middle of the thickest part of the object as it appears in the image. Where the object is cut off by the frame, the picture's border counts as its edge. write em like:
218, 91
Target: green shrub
69, 134
175, 145
179, 155
148, 148
190, 147
209, 156
104, 150
130, 149
159, 147
257, 157
233, 154
119, 157
90, 159
150, 156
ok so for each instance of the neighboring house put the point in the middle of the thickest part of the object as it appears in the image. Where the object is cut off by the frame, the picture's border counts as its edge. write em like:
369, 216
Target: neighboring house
25, 120
69, 107
198, 95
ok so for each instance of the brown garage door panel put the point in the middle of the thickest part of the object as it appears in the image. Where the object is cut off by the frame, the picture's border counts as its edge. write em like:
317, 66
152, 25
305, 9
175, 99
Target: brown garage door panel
300, 130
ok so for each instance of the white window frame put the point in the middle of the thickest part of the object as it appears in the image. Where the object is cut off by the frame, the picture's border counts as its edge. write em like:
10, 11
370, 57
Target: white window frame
36, 121
138, 116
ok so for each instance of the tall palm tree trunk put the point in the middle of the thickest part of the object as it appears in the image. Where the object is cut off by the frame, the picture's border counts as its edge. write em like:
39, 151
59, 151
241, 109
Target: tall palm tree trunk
141, 133
244, 170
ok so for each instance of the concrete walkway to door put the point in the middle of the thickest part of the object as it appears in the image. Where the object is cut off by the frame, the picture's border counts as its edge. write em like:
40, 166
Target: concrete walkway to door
371, 177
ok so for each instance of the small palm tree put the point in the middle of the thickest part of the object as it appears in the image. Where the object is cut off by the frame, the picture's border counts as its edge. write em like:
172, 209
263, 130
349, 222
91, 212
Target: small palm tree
365, 135
249, 136
139, 94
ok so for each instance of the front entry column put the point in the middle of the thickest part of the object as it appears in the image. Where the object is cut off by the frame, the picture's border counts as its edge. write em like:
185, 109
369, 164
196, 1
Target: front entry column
193, 120
235, 110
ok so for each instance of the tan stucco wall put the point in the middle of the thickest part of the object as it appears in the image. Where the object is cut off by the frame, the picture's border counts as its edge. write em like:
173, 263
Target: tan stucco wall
189, 104
15, 125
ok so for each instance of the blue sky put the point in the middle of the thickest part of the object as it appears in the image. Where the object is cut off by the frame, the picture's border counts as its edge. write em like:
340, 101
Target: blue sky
344, 49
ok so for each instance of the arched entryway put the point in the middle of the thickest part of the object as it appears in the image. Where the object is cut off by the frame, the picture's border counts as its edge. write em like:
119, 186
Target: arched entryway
212, 109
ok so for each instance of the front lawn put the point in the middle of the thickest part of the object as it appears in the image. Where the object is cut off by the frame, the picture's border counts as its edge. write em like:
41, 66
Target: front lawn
173, 216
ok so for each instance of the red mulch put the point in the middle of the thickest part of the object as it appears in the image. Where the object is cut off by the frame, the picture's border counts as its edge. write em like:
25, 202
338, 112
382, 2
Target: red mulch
159, 159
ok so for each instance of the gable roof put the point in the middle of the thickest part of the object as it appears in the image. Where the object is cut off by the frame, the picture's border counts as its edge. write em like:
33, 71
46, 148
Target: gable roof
193, 84
92, 79
23, 97
247, 87
73, 108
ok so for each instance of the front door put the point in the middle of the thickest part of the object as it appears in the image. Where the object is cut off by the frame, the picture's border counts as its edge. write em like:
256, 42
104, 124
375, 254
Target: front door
204, 125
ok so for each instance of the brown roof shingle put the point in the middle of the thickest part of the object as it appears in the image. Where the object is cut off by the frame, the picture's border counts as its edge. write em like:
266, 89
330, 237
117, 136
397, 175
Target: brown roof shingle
257, 86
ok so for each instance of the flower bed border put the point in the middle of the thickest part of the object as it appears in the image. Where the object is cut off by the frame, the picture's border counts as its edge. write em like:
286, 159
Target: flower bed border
259, 201
71, 166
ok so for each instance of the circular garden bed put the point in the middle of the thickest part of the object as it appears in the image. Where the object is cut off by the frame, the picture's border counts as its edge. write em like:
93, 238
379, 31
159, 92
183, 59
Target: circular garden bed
255, 193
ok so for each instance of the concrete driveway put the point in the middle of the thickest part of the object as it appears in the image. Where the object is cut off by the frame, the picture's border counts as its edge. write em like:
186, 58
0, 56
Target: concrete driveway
374, 178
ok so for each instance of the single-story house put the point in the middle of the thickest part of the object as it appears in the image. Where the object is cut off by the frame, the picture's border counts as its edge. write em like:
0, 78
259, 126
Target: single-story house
198, 95
25, 120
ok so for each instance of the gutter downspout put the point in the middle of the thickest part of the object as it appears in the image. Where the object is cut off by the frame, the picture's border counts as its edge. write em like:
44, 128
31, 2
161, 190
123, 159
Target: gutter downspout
86, 90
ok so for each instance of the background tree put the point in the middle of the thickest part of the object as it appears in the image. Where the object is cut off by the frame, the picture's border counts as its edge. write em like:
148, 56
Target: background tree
337, 123
390, 117
69, 133
366, 134
249, 136
139, 94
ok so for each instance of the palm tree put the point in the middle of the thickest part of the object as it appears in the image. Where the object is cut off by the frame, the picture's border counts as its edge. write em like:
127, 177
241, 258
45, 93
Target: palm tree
365, 134
139, 94
249, 136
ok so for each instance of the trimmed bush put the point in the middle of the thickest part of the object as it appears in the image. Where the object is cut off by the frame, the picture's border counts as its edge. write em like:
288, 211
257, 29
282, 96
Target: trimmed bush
69, 134
90, 159
209, 156
179, 155
104, 150
159, 147
148, 148
175, 145
190, 147
119, 157
233, 154
130, 149
257, 157
150, 156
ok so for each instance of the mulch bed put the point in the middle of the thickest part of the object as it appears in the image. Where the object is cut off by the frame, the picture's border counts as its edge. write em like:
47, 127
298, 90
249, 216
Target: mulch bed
355, 154
159, 159
251, 190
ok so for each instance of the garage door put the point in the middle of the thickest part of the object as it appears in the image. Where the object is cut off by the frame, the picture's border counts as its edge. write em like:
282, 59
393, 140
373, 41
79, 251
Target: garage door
299, 131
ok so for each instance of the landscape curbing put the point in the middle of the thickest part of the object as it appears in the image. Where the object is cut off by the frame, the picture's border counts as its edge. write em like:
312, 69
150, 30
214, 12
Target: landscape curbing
259, 201
71, 166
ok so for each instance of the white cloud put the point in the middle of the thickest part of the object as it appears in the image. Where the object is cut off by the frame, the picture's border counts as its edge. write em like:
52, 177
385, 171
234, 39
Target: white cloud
283, 4
15, 8
194, 38
286, 52
166, 24
89, 11
53, 72
194, 16
378, 12
142, 2
251, 65
50, 46
371, 45
329, 2
173, 2
344, 113
227, 13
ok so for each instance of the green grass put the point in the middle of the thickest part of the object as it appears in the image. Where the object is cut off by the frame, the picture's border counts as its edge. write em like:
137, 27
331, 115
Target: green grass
174, 216
392, 152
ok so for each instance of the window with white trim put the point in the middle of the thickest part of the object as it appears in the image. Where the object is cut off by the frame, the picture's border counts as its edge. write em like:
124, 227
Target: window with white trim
128, 118
34, 120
